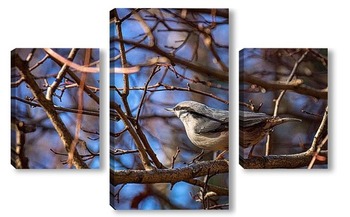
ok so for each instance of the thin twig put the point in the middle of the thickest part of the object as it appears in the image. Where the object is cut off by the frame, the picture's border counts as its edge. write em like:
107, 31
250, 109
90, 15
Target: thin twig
17, 83
317, 135
155, 88
201, 69
58, 108
138, 142
174, 157
317, 153
37, 64
279, 98
122, 152
60, 75
291, 75
297, 86
154, 71
30, 55
219, 206
197, 80
322, 58
118, 192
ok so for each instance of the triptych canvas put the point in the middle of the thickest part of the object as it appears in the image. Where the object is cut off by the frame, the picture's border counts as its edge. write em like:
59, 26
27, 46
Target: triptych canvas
171, 132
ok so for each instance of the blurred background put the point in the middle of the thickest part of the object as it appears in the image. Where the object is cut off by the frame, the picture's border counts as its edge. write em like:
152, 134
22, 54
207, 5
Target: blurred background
43, 147
178, 55
260, 69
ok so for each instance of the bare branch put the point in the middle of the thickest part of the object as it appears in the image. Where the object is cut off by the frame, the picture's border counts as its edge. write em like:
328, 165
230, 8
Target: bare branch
17, 83
220, 75
297, 87
59, 108
317, 136
169, 175
279, 98
138, 142
49, 108
37, 64
277, 161
60, 75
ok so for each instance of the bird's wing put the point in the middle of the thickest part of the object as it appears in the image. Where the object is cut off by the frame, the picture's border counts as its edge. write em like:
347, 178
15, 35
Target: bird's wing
248, 119
212, 123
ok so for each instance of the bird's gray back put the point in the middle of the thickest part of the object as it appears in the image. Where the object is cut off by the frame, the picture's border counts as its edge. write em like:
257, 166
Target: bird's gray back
248, 119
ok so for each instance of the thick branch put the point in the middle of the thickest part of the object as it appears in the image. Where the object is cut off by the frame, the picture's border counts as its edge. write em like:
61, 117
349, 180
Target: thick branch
169, 175
277, 161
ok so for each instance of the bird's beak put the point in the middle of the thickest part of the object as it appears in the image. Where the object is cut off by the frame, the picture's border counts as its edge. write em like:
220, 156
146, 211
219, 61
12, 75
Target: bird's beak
169, 109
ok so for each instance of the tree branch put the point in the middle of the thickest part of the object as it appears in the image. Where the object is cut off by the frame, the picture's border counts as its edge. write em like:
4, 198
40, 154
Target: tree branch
297, 87
220, 75
169, 175
278, 161
133, 132
59, 108
279, 98
50, 110
60, 75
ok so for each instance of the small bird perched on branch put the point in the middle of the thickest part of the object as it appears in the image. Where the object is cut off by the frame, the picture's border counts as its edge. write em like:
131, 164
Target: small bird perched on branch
253, 127
206, 127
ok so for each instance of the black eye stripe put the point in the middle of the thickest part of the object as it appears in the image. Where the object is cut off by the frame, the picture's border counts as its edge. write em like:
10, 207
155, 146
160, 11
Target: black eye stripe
178, 108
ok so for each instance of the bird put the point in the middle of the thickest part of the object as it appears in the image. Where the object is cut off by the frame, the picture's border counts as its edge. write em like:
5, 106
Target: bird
206, 127
254, 126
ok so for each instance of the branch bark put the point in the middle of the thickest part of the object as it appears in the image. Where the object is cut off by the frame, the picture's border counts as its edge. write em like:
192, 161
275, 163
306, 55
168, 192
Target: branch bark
170, 175
277, 161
